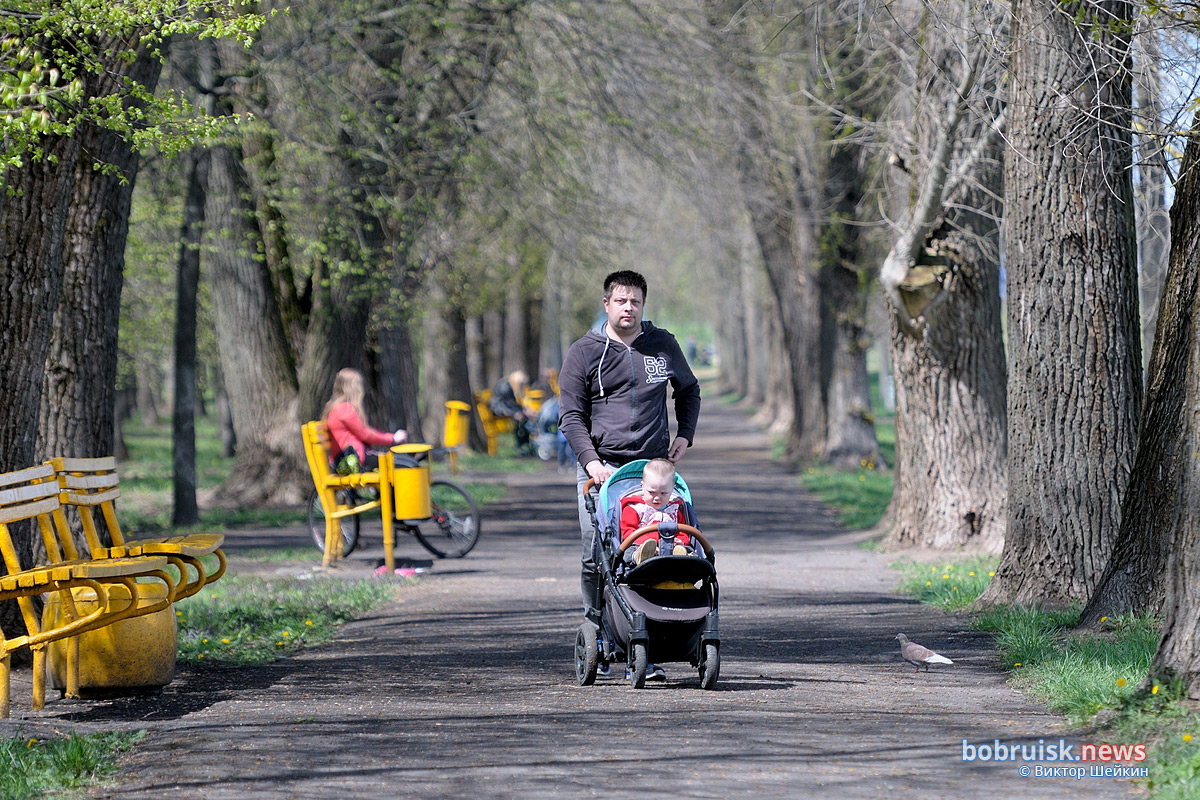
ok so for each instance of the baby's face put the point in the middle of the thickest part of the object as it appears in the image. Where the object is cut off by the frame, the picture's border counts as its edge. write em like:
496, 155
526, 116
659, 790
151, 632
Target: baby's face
657, 491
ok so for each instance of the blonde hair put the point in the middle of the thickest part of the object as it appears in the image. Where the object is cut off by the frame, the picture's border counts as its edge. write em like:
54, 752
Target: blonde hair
659, 468
348, 387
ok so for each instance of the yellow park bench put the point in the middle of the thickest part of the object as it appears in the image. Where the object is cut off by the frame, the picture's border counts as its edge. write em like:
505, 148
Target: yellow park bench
336, 498
33, 494
493, 426
87, 484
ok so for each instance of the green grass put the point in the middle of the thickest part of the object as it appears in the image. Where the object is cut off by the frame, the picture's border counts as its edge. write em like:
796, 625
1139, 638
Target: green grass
859, 496
950, 585
255, 620
1083, 675
31, 768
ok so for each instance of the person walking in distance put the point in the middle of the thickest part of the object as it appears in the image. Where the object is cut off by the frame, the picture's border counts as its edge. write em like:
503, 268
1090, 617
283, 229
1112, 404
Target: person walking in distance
613, 400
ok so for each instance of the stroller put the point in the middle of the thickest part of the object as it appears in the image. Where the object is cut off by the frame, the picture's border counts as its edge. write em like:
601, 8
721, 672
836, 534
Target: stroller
661, 610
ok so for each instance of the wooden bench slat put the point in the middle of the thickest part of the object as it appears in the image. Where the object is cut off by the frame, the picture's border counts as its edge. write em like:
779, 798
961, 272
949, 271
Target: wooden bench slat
92, 481
40, 472
93, 464
82, 499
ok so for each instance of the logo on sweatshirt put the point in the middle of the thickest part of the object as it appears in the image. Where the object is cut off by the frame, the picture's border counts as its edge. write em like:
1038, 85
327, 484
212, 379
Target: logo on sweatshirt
656, 369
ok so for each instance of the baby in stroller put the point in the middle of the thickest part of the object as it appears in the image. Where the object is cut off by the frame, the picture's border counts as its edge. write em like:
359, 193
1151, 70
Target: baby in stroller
657, 502
660, 605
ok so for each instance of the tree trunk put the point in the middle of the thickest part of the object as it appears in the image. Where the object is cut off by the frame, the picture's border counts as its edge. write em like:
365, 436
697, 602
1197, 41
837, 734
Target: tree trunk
336, 336
260, 376
34, 201
950, 413
1074, 381
78, 399
1155, 532
1166, 541
1154, 220
185, 509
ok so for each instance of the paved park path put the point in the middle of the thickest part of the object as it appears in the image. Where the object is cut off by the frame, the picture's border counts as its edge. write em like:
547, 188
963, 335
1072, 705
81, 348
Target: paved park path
465, 687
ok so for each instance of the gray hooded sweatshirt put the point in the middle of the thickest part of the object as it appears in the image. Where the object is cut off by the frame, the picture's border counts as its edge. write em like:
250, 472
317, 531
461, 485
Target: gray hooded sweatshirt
614, 397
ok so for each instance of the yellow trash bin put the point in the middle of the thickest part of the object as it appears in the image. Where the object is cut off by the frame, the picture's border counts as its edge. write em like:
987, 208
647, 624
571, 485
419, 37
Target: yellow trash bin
457, 426
131, 653
410, 480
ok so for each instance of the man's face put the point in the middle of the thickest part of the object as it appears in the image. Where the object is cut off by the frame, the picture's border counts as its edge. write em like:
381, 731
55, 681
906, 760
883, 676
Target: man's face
624, 309
656, 489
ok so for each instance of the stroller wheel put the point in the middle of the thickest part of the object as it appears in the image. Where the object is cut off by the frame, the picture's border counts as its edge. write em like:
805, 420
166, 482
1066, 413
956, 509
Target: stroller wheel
637, 666
587, 654
710, 666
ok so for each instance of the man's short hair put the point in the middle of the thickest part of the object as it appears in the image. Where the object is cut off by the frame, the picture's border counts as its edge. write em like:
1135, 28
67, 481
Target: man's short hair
624, 277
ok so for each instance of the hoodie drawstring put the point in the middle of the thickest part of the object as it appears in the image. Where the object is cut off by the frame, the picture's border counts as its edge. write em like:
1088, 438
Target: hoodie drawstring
600, 369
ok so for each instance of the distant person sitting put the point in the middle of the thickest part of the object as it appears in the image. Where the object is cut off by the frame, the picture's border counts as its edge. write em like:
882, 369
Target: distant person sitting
505, 402
348, 426
657, 502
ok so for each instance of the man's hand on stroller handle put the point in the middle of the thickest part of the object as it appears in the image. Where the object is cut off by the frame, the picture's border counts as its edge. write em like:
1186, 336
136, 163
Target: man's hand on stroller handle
599, 471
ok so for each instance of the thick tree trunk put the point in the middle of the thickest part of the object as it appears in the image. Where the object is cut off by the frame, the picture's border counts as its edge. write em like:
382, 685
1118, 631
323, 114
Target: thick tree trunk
850, 441
950, 413
1074, 380
336, 337
34, 200
1155, 529
257, 362
78, 400
1166, 540
186, 511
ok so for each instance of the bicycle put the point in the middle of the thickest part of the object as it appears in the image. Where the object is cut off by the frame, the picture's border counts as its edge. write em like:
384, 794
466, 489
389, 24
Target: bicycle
451, 530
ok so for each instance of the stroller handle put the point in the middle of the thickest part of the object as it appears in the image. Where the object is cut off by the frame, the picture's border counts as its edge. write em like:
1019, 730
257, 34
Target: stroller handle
653, 526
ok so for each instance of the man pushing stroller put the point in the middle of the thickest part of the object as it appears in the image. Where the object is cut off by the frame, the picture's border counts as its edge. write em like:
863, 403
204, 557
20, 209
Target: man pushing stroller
613, 394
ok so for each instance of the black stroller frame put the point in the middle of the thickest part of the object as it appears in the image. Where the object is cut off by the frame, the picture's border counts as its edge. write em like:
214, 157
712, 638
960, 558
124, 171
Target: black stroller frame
664, 609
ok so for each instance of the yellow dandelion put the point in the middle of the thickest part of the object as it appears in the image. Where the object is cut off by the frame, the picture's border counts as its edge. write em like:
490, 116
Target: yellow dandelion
991, 574
929, 583
1187, 737
179, 613
971, 573
1120, 681
285, 633
945, 577
1017, 664
200, 656
308, 622
863, 462
224, 641
204, 641
811, 471
213, 596
1155, 689
279, 644
954, 588
1104, 619
862, 477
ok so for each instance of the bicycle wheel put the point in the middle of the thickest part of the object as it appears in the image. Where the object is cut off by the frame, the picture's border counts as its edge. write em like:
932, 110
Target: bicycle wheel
453, 530
316, 524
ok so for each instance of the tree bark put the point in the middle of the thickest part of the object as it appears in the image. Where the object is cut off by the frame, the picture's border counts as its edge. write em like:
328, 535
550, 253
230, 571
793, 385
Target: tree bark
1074, 380
1154, 535
1166, 543
79, 401
186, 511
260, 375
950, 413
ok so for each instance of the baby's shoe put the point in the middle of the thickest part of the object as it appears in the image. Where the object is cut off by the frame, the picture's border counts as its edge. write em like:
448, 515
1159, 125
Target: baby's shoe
679, 550
645, 550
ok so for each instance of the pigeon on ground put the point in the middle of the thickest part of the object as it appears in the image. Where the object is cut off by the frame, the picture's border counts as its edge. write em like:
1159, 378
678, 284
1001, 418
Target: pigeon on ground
914, 653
